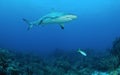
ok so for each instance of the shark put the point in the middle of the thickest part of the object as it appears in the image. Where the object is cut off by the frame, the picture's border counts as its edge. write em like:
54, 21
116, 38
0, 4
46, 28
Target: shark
52, 18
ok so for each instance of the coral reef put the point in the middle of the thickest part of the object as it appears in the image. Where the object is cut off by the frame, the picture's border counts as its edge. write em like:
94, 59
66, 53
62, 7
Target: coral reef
12, 63
61, 62
116, 48
111, 61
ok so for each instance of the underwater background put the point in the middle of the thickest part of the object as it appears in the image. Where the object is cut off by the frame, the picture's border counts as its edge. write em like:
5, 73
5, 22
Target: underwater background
97, 26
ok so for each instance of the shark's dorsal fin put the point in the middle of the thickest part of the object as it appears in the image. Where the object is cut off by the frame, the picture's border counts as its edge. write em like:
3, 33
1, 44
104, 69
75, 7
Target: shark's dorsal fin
62, 26
52, 10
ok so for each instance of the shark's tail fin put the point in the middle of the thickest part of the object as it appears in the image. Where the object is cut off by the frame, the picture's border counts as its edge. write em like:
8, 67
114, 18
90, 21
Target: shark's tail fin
29, 23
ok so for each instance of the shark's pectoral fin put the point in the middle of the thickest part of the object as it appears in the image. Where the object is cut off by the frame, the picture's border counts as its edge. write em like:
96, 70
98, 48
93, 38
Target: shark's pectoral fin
62, 26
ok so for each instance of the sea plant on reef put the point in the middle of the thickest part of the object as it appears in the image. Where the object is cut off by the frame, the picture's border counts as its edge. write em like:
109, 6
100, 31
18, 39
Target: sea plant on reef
116, 48
115, 51
14, 64
112, 60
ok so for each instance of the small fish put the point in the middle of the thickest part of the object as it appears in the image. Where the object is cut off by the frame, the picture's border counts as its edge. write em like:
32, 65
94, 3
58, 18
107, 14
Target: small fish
82, 52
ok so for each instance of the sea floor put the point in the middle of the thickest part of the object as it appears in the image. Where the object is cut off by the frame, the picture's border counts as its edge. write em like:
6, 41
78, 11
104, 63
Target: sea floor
58, 63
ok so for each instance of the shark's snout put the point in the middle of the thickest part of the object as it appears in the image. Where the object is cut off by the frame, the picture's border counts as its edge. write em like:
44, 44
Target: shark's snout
73, 16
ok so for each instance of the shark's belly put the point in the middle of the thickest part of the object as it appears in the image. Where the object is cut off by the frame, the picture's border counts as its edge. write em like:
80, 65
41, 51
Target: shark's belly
54, 21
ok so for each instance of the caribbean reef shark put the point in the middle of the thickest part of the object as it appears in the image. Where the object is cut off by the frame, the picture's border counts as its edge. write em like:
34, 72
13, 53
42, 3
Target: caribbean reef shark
52, 18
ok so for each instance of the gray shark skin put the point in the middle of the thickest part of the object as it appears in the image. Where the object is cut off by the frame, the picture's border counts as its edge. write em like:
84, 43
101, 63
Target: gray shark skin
52, 18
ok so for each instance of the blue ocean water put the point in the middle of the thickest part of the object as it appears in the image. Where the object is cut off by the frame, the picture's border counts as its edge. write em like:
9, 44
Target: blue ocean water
97, 25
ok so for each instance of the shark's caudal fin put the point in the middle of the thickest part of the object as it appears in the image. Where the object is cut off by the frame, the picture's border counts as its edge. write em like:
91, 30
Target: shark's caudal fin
29, 23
